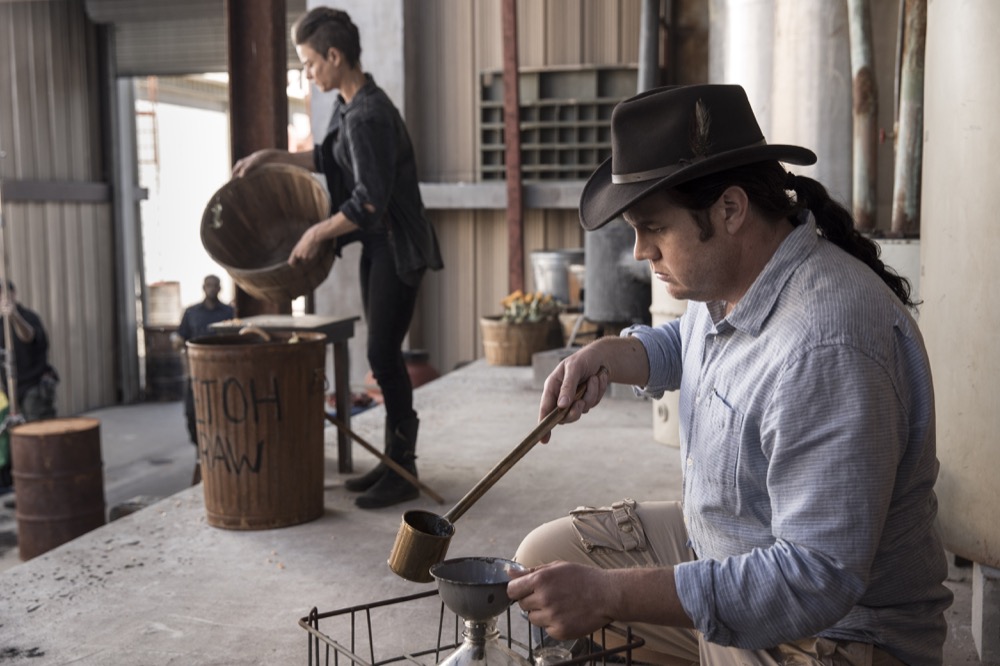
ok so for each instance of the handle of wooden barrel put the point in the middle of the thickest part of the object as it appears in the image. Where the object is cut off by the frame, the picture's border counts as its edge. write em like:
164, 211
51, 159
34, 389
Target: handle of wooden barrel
256, 330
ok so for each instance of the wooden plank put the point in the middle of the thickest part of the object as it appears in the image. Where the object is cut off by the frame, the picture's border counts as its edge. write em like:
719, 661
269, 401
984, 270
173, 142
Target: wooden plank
90, 299
491, 265
563, 35
447, 300
531, 27
600, 34
488, 46
459, 90
73, 128
629, 15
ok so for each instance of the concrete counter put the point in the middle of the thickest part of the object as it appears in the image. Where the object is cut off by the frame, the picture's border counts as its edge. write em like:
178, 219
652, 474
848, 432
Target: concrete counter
161, 586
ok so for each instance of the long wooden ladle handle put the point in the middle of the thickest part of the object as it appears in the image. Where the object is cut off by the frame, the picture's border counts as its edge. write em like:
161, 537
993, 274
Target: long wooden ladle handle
543, 428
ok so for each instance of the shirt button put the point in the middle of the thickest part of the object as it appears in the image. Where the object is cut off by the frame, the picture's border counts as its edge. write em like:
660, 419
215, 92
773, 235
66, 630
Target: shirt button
626, 528
690, 462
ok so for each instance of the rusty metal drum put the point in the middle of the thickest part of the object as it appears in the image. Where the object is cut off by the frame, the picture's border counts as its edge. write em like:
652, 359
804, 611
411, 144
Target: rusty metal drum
58, 481
259, 408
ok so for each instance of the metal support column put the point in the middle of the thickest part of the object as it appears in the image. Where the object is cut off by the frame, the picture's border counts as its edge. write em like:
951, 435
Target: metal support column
512, 152
258, 99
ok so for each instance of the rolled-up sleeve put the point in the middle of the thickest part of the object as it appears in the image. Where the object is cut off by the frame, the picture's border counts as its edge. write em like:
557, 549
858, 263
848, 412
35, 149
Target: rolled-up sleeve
663, 348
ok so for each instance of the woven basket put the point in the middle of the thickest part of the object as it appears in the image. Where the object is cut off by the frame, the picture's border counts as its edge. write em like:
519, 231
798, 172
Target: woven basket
513, 344
251, 224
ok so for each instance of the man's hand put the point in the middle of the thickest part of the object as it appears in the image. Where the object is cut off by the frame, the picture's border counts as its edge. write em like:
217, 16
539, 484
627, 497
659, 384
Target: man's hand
567, 600
573, 600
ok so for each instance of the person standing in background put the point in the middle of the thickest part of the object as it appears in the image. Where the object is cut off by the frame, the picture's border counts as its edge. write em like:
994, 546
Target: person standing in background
371, 173
35, 379
196, 323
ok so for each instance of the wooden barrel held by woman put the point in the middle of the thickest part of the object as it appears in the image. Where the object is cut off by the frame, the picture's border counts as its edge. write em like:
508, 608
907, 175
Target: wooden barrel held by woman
58, 482
259, 407
251, 224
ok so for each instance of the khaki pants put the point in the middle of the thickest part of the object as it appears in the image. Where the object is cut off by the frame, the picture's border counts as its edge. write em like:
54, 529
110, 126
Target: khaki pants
650, 534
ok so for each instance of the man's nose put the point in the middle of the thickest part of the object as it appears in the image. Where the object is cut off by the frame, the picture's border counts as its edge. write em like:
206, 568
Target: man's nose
643, 248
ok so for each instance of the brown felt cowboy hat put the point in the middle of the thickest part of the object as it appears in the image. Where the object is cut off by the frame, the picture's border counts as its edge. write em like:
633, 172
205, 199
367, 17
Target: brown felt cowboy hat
668, 136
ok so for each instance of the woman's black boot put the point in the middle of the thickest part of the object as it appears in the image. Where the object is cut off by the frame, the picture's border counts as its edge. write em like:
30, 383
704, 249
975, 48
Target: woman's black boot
359, 484
391, 488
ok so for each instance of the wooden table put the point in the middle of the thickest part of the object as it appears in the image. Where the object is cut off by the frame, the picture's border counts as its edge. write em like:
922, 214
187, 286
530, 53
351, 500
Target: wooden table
337, 332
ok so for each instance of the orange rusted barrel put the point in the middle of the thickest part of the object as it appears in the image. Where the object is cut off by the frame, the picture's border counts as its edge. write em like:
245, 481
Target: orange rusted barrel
259, 407
58, 482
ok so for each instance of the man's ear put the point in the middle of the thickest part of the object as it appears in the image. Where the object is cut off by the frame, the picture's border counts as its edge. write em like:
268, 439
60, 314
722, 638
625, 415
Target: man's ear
334, 55
736, 207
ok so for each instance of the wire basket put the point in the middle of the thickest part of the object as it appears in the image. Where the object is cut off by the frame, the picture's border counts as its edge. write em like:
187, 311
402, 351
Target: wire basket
419, 629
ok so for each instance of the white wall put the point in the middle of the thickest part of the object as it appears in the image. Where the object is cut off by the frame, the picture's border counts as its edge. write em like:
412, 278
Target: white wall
960, 239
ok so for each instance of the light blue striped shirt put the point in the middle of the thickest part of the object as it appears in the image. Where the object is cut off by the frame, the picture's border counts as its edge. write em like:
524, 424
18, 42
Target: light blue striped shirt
807, 435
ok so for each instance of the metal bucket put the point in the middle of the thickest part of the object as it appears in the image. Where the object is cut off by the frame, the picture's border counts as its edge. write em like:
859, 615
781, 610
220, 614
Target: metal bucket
551, 271
259, 408
58, 481
616, 285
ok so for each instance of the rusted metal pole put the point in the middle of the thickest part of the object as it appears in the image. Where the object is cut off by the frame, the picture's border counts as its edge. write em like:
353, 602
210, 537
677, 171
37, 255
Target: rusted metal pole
512, 149
258, 98
649, 45
910, 124
865, 172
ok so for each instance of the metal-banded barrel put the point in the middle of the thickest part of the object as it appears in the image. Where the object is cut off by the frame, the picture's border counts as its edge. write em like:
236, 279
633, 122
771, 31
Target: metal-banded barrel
58, 482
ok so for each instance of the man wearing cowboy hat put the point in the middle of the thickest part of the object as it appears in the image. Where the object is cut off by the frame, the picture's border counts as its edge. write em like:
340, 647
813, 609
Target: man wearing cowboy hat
806, 531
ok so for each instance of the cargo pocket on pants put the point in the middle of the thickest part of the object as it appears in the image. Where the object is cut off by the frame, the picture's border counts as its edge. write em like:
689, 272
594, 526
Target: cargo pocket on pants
613, 534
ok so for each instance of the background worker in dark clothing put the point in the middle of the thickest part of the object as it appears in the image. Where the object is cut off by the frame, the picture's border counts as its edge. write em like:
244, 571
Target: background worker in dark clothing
196, 323
34, 378
371, 173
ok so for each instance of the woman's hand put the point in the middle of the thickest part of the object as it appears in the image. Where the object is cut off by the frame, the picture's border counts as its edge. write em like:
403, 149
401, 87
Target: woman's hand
567, 600
308, 245
303, 159
256, 159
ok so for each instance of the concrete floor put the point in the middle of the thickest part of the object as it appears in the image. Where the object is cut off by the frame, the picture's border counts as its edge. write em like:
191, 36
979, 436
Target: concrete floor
160, 586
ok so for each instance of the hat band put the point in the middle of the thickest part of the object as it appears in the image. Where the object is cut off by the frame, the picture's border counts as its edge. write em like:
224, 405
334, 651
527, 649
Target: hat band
652, 174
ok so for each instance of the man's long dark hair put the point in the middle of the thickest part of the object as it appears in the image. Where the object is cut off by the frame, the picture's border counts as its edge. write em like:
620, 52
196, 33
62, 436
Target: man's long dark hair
768, 187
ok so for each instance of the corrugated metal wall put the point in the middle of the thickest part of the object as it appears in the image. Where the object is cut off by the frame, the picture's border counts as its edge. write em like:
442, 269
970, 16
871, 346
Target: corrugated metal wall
456, 42
59, 232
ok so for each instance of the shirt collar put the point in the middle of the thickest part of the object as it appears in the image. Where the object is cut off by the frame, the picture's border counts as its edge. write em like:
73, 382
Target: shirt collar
366, 87
756, 305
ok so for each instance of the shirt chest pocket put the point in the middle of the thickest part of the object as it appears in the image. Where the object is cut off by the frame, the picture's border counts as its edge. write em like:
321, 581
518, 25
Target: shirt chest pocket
721, 441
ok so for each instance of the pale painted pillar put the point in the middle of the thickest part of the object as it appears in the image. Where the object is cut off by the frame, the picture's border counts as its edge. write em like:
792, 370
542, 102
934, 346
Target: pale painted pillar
811, 95
959, 246
742, 49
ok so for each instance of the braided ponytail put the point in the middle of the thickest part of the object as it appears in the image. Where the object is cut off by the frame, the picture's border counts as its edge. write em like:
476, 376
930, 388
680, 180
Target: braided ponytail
837, 226
767, 185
